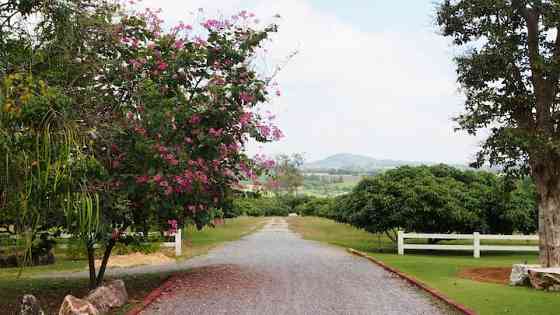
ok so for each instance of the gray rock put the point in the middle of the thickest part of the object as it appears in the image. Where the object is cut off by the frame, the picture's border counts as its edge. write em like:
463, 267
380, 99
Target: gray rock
30, 306
75, 306
545, 278
520, 274
109, 296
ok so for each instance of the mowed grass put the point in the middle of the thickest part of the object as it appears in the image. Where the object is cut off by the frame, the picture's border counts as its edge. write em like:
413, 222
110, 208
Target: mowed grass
440, 269
197, 242
51, 292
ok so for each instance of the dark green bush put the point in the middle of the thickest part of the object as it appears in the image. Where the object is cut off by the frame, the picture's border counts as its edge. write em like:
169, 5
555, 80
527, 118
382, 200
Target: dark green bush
438, 199
263, 206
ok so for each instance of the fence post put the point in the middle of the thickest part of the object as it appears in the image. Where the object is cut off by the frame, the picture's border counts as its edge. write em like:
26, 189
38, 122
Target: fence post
178, 242
400, 242
476, 243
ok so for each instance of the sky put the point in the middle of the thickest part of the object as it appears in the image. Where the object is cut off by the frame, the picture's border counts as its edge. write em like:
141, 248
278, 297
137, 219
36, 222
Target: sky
371, 77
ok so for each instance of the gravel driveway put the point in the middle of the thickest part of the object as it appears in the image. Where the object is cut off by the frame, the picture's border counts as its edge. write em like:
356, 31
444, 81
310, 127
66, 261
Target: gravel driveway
274, 271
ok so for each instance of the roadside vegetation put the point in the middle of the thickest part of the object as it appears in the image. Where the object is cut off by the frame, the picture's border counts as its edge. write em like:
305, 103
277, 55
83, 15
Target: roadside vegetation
51, 291
439, 269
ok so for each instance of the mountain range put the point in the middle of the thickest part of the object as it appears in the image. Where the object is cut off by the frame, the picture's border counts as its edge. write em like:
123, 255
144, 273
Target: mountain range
356, 162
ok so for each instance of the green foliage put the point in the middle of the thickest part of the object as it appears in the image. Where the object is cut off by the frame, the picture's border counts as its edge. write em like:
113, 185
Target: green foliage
287, 176
440, 269
75, 250
315, 206
263, 206
439, 199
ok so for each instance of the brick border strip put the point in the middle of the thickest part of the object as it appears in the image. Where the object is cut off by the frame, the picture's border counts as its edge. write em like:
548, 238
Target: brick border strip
152, 296
459, 307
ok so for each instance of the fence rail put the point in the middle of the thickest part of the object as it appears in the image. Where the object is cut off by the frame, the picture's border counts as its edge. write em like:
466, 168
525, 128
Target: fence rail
176, 243
476, 247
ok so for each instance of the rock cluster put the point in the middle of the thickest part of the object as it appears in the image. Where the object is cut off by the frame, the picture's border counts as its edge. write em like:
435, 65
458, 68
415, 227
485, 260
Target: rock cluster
536, 276
30, 306
97, 302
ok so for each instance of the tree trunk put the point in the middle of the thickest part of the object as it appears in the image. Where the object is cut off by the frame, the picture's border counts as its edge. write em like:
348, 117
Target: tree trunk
91, 262
104, 262
548, 187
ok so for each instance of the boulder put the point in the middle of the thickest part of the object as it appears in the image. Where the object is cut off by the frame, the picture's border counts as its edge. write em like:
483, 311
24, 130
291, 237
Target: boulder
520, 274
545, 278
109, 296
75, 306
30, 306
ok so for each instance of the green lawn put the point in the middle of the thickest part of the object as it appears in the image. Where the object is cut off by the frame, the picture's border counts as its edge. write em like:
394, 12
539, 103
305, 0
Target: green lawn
50, 292
439, 269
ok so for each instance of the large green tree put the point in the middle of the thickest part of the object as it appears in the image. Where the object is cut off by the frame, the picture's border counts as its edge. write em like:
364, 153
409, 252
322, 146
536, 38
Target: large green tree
509, 71
157, 117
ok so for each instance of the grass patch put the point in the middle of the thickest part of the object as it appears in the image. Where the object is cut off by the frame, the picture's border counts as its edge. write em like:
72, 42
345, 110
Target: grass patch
197, 242
440, 269
50, 292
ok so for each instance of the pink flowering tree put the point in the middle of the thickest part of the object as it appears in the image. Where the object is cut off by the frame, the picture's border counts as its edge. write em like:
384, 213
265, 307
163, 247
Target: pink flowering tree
189, 100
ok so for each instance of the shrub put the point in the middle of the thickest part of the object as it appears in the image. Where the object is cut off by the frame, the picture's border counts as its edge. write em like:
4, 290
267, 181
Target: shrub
263, 206
438, 199
315, 206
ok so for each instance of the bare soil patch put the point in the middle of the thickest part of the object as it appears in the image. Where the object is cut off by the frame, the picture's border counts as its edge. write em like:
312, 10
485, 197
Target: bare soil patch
136, 259
499, 275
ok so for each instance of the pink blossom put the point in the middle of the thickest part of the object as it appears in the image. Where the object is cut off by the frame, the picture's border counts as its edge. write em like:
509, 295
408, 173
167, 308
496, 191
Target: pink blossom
277, 134
140, 130
157, 178
246, 97
179, 44
161, 66
195, 119
215, 132
245, 118
142, 179
212, 24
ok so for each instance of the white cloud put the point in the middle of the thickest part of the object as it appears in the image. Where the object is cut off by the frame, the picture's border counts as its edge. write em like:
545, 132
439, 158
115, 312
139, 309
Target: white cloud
385, 94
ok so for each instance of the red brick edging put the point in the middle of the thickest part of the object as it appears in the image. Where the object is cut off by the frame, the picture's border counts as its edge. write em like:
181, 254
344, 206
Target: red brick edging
460, 307
150, 298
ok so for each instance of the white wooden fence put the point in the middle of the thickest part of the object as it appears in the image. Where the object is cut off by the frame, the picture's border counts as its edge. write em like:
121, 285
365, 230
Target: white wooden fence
176, 243
475, 246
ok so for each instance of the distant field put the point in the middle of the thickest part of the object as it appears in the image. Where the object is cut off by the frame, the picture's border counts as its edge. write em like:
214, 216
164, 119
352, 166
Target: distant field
319, 188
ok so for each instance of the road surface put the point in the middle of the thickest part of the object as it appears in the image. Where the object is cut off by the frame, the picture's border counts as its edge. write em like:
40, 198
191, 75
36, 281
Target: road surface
274, 271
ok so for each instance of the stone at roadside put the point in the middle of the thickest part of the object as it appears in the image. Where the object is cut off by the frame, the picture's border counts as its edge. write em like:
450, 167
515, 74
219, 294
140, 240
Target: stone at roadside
30, 306
75, 306
109, 296
545, 278
520, 274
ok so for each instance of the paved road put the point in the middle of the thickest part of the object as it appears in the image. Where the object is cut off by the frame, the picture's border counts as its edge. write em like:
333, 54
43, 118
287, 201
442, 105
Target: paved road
274, 271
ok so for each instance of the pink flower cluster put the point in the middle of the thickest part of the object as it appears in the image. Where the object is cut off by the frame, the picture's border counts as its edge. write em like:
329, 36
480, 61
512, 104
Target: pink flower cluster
246, 98
216, 133
264, 162
270, 132
213, 24
166, 155
172, 226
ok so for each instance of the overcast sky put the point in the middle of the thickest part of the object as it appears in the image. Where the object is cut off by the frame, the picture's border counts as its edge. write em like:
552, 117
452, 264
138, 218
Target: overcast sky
371, 77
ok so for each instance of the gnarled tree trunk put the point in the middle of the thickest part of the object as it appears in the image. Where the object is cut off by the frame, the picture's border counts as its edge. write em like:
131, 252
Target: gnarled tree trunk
548, 187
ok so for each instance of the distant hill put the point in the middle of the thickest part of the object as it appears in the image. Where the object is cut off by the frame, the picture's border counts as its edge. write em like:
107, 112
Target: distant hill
355, 162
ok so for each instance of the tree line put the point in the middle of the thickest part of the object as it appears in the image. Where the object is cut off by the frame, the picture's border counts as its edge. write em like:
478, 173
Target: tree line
429, 199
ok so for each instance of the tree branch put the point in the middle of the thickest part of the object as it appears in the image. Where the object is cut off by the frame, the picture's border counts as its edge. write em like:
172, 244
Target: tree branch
555, 76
